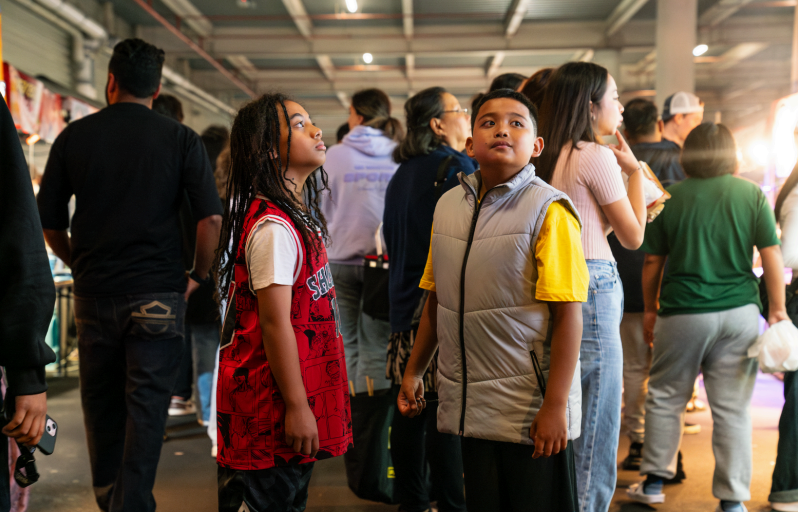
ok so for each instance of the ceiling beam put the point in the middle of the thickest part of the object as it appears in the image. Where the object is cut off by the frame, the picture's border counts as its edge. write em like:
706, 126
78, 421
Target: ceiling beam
736, 92
740, 52
495, 63
187, 13
583, 55
343, 98
407, 18
515, 15
624, 12
410, 66
300, 16
721, 10
243, 64
197, 48
327, 67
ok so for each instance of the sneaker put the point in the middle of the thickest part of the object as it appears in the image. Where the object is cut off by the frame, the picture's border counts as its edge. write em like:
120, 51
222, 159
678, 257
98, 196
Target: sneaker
180, 407
637, 493
784, 507
679, 476
691, 428
214, 451
736, 508
696, 405
634, 459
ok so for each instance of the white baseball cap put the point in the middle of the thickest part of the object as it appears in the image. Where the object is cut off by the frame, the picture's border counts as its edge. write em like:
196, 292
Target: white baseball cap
681, 103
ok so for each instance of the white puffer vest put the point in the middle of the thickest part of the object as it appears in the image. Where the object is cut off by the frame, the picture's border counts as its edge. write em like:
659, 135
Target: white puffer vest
494, 394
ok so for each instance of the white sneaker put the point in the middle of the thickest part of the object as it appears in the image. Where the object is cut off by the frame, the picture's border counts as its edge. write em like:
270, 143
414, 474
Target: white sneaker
180, 407
635, 491
738, 508
784, 507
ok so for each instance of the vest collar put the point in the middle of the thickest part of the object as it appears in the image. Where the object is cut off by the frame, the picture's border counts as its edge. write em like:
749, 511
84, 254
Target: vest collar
472, 183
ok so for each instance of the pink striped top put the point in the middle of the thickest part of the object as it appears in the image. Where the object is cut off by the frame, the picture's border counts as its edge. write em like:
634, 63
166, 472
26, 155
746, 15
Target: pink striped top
592, 178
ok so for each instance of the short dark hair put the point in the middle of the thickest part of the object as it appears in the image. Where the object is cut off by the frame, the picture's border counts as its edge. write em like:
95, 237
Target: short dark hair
511, 94
169, 106
136, 66
419, 111
215, 138
342, 131
534, 87
640, 117
506, 81
709, 151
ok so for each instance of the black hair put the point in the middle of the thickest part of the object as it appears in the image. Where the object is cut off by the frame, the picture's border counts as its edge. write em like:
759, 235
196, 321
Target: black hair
215, 138
256, 168
136, 66
419, 111
513, 95
534, 87
375, 107
342, 131
475, 100
640, 117
169, 106
506, 81
565, 111
709, 151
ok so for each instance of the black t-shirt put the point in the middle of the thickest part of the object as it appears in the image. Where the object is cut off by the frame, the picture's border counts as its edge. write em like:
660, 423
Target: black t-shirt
128, 168
664, 158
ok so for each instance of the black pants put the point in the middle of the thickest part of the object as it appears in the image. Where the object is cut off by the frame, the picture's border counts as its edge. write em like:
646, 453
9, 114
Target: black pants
278, 489
416, 442
130, 347
785, 474
503, 477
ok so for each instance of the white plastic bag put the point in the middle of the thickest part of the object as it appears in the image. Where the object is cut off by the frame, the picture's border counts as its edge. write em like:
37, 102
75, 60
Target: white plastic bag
777, 348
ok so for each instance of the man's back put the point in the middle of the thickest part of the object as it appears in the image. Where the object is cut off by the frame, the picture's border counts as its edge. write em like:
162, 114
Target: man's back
664, 159
128, 167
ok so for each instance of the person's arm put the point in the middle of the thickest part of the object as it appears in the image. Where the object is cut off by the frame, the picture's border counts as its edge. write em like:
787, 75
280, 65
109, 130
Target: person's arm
789, 232
208, 230
653, 267
58, 240
550, 427
773, 266
627, 216
279, 343
420, 358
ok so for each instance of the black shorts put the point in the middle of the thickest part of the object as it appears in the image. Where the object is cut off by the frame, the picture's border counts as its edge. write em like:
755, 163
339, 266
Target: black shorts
277, 489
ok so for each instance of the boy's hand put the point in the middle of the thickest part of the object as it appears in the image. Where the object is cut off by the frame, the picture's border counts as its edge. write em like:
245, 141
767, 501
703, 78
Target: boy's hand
301, 432
549, 430
409, 399
649, 321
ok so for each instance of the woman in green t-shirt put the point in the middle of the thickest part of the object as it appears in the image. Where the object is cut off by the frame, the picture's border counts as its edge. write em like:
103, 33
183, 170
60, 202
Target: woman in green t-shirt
707, 314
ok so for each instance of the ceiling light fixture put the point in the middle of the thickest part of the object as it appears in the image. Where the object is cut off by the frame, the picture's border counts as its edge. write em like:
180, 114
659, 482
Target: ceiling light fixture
351, 5
701, 49
367, 58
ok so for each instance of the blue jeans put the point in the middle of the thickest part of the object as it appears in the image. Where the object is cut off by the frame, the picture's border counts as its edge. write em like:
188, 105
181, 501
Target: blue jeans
601, 359
365, 338
785, 474
130, 348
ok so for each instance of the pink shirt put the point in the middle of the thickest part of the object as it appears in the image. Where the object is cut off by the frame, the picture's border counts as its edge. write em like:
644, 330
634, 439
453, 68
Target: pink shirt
592, 178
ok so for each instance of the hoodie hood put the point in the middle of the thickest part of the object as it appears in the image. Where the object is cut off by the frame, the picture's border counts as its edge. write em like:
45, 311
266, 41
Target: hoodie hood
369, 141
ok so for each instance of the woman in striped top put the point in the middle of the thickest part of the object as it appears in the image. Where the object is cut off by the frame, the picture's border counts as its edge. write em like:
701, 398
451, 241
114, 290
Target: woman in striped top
580, 106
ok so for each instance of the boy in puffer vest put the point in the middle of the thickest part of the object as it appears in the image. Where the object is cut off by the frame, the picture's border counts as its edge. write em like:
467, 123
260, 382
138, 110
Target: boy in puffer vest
506, 274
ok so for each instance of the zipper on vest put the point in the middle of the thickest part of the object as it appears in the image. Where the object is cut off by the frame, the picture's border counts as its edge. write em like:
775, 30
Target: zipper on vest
462, 309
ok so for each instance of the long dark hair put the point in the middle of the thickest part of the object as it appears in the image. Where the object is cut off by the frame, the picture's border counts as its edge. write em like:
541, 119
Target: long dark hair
565, 110
256, 168
375, 107
419, 111
534, 87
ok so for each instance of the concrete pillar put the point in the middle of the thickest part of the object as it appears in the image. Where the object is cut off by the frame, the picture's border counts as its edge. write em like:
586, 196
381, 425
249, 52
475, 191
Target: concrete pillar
676, 38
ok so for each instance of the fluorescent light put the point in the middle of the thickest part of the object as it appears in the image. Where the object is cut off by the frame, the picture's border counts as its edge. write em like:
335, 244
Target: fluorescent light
367, 58
351, 5
701, 49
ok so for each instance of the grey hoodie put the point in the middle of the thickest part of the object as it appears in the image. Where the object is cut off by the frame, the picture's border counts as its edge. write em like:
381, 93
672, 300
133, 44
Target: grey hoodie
359, 170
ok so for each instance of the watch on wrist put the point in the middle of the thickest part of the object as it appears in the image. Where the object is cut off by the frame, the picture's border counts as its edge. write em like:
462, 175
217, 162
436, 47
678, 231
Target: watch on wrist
195, 276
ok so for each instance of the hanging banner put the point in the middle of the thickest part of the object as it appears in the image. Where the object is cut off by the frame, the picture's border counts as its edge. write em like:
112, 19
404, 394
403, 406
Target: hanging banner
24, 99
77, 109
2, 74
52, 117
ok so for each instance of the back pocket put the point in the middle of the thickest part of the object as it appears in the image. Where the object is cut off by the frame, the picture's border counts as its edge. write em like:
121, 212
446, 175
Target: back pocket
157, 316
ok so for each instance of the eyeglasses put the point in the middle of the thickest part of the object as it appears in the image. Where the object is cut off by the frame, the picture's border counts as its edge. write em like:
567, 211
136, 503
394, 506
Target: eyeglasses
463, 111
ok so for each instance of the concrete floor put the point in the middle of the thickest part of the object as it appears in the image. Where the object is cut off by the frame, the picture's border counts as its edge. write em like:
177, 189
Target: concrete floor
187, 475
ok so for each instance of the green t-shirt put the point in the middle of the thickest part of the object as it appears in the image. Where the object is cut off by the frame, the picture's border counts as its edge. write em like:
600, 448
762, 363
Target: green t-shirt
708, 230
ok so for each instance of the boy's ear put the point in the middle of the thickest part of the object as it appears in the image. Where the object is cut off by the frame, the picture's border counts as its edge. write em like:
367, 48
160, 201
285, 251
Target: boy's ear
470, 147
538, 148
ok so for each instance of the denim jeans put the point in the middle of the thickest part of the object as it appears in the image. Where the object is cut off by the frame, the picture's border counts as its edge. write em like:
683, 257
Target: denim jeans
196, 366
785, 474
365, 338
416, 442
636, 366
129, 347
601, 360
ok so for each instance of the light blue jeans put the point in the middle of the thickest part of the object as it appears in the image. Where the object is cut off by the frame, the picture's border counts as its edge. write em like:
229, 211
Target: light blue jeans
601, 359
365, 338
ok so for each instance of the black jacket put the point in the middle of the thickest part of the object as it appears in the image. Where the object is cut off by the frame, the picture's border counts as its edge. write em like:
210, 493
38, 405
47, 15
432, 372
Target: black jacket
27, 294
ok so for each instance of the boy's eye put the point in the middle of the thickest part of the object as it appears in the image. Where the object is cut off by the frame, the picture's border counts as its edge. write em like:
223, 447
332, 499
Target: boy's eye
518, 123
488, 123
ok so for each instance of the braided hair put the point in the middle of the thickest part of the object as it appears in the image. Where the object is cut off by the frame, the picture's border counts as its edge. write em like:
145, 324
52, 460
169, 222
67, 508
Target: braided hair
256, 168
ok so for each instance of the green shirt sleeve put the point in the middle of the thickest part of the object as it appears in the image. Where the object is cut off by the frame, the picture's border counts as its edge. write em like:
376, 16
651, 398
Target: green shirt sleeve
765, 235
656, 240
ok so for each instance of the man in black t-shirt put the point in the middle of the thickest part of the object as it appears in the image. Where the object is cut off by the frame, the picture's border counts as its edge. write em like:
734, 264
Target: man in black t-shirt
128, 168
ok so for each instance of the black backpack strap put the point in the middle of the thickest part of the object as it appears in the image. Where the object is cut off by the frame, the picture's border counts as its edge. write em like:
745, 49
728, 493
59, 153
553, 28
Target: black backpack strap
442, 176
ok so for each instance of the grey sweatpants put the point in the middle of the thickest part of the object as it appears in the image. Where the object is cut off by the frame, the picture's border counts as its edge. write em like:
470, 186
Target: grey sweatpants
636, 366
717, 344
